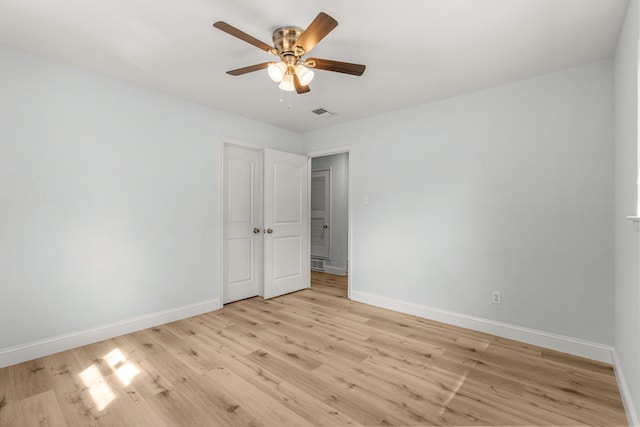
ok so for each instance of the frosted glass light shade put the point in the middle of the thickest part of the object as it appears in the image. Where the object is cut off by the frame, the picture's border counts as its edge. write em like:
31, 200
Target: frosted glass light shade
287, 83
304, 74
276, 71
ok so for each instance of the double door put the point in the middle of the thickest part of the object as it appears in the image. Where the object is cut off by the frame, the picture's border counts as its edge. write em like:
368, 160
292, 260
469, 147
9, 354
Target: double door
266, 223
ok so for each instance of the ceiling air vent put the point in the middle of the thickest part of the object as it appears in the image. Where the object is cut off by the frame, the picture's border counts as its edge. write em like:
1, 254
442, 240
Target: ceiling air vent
322, 112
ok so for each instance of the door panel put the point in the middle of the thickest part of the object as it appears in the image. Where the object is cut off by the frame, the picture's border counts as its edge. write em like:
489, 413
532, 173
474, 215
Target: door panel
242, 253
288, 263
286, 208
320, 213
286, 193
240, 258
241, 190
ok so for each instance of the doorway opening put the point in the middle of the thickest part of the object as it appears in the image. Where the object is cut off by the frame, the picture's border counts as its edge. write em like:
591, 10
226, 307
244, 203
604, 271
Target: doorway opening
330, 221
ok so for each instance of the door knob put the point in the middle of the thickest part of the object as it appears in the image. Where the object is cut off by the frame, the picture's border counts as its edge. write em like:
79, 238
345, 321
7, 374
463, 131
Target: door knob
325, 226
256, 230
269, 231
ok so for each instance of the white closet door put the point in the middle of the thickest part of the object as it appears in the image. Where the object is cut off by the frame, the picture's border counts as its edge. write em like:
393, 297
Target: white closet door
320, 213
286, 213
242, 223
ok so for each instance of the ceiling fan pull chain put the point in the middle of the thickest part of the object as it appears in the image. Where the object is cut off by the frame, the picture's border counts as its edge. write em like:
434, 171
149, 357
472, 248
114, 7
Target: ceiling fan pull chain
289, 106
281, 98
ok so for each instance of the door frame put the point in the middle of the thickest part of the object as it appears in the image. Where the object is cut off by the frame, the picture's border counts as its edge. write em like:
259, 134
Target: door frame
329, 152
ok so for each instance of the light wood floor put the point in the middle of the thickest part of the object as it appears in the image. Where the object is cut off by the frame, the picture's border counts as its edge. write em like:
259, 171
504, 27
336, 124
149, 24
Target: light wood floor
308, 358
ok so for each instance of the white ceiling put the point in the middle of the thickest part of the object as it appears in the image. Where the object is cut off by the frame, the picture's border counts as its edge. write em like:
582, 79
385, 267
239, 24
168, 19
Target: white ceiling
415, 51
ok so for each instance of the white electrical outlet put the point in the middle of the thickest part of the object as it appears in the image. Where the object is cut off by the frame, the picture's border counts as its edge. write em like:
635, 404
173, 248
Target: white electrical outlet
496, 297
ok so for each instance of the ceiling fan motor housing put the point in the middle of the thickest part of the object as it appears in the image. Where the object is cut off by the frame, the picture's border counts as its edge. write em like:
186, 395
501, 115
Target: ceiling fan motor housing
284, 39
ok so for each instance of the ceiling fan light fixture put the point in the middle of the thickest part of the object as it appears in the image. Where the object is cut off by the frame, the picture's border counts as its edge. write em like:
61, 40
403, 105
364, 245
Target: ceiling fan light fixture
304, 74
290, 44
287, 83
276, 71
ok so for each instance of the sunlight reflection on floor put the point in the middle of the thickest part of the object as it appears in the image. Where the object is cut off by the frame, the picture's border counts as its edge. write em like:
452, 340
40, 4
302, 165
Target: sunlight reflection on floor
123, 369
100, 391
98, 388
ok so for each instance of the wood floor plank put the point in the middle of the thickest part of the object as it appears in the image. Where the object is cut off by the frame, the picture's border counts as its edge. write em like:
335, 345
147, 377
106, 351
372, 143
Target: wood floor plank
8, 417
24, 380
348, 401
235, 338
185, 403
310, 358
138, 342
264, 408
377, 384
40, 410
313, 410
320, 344
165, 371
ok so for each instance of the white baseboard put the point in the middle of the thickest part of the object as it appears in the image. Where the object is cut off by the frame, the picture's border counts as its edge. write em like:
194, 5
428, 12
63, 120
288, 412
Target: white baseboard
340, 271
33, 350
561, 343
633, 418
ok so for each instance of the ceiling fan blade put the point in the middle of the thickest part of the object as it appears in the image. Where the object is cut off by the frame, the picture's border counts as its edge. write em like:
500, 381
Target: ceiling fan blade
316, 31
299, 88
248, 69
337, 66
233, 31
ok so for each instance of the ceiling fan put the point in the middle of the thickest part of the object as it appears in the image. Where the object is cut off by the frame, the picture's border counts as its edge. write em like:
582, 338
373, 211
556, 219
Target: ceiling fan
291, 44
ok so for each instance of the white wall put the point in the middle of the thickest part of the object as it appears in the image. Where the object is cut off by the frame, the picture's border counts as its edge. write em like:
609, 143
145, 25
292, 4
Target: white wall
339, 165
627, 257
109, 199
508, 188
